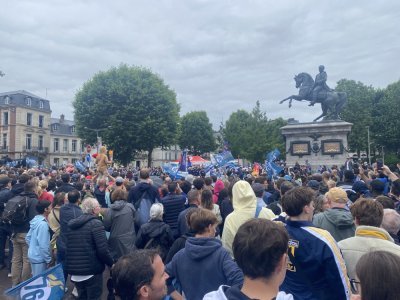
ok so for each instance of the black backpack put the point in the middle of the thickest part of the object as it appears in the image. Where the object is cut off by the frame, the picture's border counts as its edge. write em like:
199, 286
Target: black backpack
15, 211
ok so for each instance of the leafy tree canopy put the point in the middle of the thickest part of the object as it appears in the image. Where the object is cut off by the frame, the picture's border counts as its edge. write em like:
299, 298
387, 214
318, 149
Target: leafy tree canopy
137, 110
196, 133
252, 135
357, 111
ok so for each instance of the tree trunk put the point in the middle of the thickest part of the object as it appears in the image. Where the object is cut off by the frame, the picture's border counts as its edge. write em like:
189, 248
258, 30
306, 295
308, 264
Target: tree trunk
149, 158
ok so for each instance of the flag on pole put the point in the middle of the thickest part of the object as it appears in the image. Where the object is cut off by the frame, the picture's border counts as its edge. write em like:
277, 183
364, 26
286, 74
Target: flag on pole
47, 285
272, 168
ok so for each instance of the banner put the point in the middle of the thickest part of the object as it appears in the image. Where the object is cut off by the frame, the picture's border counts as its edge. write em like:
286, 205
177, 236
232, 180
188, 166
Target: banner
223, 158
272, 168
80, 166
48, 285
183, 162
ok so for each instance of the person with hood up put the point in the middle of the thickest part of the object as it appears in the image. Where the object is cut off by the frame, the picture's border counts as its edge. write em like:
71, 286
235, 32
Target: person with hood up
263, 264
155, 233
38, 239
88, 251
203, 265
218, 187
244, 208
337, 219
119, 220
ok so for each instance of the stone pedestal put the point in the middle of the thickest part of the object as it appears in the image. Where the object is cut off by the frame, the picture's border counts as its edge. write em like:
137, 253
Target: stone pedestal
319, 143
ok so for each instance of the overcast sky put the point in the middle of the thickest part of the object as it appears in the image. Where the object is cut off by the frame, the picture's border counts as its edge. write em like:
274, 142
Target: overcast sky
219, 56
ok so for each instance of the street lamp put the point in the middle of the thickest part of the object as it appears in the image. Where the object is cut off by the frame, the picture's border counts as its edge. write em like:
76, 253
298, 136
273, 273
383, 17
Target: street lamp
369, 148
97, 130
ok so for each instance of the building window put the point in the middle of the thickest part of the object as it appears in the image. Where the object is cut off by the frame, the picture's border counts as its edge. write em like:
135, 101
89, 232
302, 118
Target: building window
4, 140
29, 119
41, 104
41, 121
55, 127
82, 147
74, 143
40, 142
56, 149
65, 145
65, 161
5, 118
28, 144
73, 128
28, 101
56, 161
7, 100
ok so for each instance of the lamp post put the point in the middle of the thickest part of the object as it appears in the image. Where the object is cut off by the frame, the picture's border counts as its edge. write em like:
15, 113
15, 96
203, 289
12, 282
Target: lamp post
369, 148
97, 130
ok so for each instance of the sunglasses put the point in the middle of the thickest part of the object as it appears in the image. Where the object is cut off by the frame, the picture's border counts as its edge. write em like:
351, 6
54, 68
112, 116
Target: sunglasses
354, 286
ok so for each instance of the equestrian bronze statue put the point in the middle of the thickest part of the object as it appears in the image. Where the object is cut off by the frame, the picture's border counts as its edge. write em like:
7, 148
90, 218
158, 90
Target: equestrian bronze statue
332, 103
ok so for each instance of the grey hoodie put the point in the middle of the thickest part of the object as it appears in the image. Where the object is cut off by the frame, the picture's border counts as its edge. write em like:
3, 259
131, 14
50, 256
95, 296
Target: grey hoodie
235, 294
338, 221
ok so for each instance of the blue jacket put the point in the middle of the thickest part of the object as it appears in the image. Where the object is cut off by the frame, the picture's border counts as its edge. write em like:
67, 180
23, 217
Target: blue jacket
38, 240
316, 269
202, 266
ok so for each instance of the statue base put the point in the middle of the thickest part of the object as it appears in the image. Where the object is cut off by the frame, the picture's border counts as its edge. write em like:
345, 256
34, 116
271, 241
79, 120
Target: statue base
316, 143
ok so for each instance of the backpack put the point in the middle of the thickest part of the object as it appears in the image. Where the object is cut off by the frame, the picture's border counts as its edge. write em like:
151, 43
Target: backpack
143, 206
15, 211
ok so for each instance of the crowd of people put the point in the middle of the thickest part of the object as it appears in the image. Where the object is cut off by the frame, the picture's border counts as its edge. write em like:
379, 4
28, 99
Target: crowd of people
332, 234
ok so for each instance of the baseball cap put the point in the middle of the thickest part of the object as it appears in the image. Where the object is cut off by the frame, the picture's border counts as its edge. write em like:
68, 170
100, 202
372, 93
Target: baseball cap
314, 184
337, 194
258, 187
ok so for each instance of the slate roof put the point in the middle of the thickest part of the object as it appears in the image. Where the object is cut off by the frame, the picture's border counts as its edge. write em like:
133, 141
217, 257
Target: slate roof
20, 99
64, 127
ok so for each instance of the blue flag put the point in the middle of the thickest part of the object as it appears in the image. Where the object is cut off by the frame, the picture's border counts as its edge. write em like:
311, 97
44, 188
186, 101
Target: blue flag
47, 285
80, 166
183, 163
223, 158
272, 168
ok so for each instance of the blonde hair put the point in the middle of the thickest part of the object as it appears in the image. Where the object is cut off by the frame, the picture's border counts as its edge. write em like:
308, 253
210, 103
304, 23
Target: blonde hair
103, 149
43, 184
331, 184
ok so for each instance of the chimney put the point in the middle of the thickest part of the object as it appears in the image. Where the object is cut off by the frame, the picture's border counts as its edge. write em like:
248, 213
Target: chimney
62, 118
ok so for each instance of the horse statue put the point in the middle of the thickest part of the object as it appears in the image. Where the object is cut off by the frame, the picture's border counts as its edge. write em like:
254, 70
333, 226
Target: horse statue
332, 103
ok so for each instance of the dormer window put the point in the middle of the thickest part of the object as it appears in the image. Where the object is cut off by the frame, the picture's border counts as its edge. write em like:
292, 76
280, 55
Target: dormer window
29, 101
73, 129
7, 100
55, 127
41, 104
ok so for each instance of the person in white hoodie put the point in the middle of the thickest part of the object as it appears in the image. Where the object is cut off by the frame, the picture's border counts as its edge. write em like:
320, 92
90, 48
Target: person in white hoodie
263, 264
38, 239
244, 208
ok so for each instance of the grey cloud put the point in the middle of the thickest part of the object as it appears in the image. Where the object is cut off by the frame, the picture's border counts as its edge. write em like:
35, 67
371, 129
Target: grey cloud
219, 56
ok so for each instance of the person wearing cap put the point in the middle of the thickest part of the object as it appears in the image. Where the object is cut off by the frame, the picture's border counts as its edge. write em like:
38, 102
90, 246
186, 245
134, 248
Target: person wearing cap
337, 220
369, 236
259, 189
5, 229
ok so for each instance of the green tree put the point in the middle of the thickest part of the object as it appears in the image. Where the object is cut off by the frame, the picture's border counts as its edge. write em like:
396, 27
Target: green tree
357, 111
252, 135
386, 122
137, 109
196, 133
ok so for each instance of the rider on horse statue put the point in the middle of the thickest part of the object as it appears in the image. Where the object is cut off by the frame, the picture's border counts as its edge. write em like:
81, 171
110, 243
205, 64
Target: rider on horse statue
319, 85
